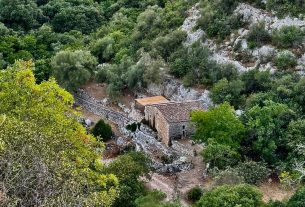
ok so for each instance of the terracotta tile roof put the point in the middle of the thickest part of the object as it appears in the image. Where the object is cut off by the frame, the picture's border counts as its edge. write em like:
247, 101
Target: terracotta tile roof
179, 111
152, 100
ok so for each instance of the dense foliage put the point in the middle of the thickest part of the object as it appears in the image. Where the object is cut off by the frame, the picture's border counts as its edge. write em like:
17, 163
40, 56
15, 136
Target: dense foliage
131, 44
46, 157
222, 131
129, 168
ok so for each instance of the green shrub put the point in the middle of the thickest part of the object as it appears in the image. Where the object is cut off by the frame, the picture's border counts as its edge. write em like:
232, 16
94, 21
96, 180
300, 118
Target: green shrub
286, 7
102, 130
258, 35
217, 19
72, 69
287, 37
154, 199
275, 204
132, 127
228, 177
298, 199
225, 91
242, 195
256, 81
252, 172
221, 26
285, 60
195, 193
220, 156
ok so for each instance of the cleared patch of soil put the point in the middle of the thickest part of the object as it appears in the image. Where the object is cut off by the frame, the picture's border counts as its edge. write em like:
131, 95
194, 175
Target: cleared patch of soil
96, 90
274, 191
99, 92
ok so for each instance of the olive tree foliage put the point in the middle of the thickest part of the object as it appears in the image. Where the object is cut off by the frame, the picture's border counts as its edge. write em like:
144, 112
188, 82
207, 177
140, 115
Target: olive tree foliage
72, 69
148, 24
168, 44
46, 157
131, 75
20, 14
194, 65
225, 91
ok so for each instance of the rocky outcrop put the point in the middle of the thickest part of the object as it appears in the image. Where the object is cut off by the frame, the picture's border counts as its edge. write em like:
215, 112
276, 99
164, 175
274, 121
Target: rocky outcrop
223, 53
174, 90
190, 23
254, 15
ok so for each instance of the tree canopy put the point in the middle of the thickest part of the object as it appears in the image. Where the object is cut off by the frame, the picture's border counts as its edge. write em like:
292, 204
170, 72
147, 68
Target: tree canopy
46, 156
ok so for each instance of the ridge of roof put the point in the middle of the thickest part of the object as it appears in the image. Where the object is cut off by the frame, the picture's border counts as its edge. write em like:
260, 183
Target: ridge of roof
178, 111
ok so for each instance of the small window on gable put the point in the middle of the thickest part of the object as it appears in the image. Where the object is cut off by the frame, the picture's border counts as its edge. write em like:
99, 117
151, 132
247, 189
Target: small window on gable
183, 126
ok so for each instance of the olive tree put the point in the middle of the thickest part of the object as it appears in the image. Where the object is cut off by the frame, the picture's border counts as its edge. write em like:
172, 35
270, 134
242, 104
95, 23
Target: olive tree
72, 69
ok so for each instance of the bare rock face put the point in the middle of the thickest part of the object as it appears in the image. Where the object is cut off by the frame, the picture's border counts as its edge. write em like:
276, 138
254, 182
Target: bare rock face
301, 65
254, 15
265, 54
174, 90
190, 23
226, 60
287, 21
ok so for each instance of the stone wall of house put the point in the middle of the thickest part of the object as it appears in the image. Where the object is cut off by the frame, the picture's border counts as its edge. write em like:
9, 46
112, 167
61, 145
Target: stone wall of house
158, 121
176, 130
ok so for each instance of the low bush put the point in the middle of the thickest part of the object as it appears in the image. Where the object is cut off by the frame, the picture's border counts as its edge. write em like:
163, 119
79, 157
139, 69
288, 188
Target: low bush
287, 37
285, 60
238, 195
225, 91
252, 172
217, 18
275, 204
228, 177
286, 7
220, 156
102, 131
298, 199
133, 127
258, 35
195, 193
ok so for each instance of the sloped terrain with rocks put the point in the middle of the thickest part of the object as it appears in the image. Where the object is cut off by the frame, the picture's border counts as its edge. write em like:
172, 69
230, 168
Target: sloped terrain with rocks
224, 52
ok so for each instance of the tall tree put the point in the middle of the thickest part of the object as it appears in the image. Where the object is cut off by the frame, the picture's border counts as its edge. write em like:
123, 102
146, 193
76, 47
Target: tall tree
46, 157
73, 68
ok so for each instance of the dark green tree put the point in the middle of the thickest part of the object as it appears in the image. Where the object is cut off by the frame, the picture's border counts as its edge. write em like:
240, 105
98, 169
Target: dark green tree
72, 69
102, 131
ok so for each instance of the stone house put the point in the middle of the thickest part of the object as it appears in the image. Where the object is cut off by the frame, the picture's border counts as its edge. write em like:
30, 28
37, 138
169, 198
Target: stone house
171, 119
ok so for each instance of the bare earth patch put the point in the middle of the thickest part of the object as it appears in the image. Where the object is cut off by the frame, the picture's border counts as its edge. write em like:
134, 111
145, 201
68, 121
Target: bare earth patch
273, 191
